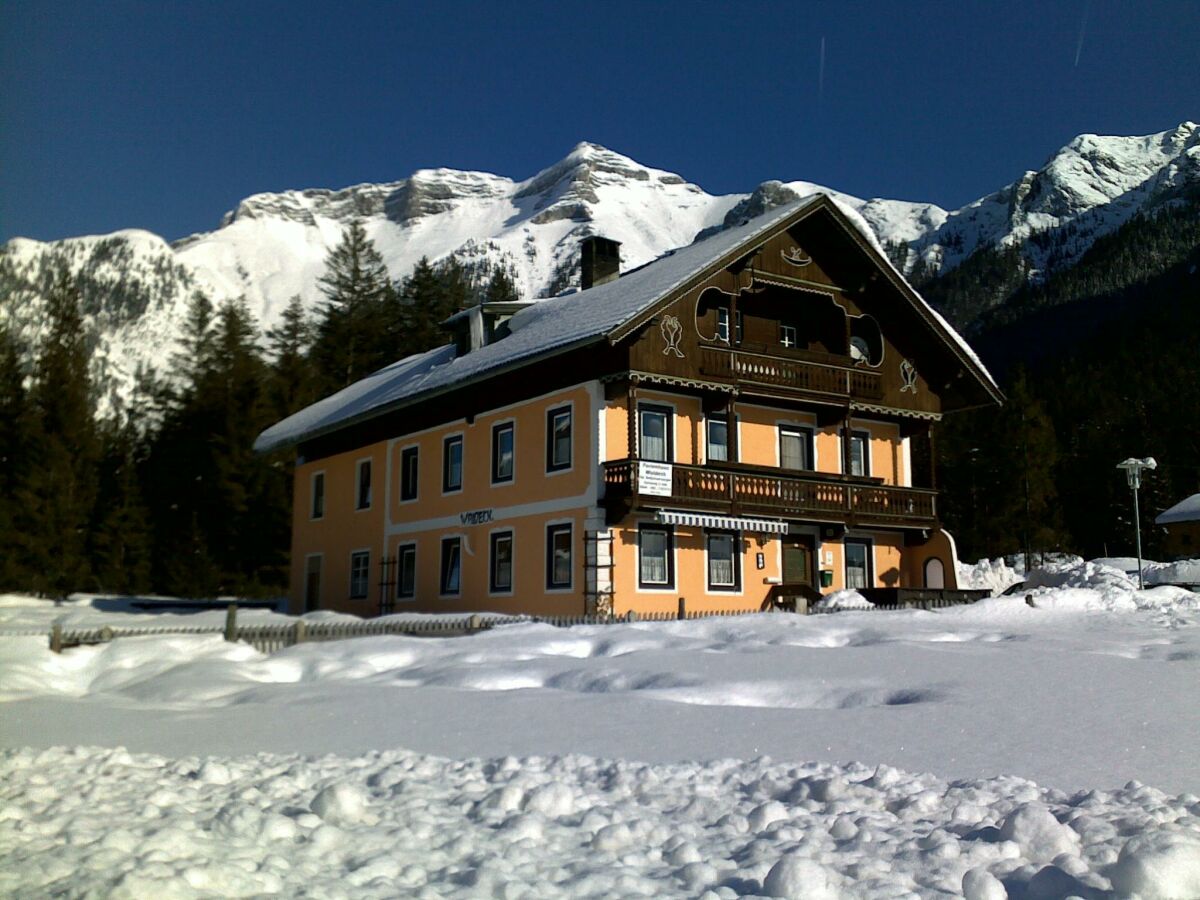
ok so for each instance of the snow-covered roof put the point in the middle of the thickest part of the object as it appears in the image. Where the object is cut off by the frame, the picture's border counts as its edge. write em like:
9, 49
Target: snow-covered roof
549, 326
1184, 511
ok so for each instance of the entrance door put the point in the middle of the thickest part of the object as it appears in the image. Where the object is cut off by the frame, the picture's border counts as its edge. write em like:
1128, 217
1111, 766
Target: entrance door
798, 555
312, 583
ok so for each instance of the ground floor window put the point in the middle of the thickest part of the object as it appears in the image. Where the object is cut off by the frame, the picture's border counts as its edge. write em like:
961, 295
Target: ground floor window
858, 564
558, 556
451, 580
406, 572
360, 573
501, 567
656, 568
724, 569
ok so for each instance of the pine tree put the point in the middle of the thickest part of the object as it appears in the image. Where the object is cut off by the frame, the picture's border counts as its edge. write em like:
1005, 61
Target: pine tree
292, 384
55, 500
500, 288
427, 304
14, 456
355, 330
120, 534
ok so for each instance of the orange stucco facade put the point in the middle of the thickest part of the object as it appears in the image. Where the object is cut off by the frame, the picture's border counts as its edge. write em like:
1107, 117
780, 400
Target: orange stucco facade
604, 556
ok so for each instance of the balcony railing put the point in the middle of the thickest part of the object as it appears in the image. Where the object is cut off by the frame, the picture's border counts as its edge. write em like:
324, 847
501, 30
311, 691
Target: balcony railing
797, 374
747, 490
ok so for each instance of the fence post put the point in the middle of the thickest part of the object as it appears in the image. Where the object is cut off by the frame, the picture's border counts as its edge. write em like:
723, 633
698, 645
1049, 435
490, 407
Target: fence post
56, 638
631, 616
231, 623
682, 608
475, 623
301, 632
106, 634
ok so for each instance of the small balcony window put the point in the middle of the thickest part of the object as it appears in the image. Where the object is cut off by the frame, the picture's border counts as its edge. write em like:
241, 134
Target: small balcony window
860, 457
718, 441
787, 335
795, 448
654, 433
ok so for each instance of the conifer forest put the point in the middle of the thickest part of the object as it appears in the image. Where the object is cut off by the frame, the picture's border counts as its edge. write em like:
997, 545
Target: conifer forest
1098, 361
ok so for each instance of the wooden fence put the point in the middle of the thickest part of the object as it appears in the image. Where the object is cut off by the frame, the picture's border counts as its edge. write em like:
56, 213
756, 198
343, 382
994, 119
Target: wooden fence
269, 637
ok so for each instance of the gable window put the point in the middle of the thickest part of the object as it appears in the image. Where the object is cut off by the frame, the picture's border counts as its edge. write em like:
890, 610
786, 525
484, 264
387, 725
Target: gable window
860, 456
406, 571
724, 569
360, 573
558, 556
363, 497
787, 335
656, 565
450, 582
318, 496
795, 447
452, 464
654, 433
503, 453
723, 324
501, 566
717, 447
558, 439
858, 564
408, 473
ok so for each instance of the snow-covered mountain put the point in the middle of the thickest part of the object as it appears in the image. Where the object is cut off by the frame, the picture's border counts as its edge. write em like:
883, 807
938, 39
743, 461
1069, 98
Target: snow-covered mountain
136, 286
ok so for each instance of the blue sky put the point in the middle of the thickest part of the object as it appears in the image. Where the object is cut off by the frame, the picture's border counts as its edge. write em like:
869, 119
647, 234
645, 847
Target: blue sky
163, 115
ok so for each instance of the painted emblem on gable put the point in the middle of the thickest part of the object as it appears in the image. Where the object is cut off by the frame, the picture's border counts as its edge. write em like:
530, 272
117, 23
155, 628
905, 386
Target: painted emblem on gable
672, 331
795, 256
908, 375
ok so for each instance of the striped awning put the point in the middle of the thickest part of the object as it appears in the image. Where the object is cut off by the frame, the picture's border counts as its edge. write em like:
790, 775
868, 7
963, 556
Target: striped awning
727, 523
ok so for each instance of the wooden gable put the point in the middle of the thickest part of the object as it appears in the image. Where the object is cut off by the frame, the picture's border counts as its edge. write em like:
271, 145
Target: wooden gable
822, 317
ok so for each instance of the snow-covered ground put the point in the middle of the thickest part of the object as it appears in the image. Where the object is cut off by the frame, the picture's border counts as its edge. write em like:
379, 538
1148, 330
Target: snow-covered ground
988, 750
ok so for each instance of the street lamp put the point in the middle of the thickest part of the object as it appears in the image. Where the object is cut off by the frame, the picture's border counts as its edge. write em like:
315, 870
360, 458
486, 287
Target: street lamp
1133, 473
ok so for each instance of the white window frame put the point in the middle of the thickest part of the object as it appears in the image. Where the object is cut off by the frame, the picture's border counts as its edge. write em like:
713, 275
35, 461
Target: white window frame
400, 548
366, 595
553, 410
557, 524
738, 582
656, 405
869, 544
462, 462
672, 559
417, 495
512, 476
312, 495
358, 467
442, 541
511, 532
865, 434
806, 431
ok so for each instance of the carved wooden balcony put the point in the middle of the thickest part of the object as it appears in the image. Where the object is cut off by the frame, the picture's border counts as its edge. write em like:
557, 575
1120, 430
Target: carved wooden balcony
827, 378
745, 490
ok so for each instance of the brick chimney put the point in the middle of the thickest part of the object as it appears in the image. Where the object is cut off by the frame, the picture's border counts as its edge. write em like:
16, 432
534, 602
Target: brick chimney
600, 261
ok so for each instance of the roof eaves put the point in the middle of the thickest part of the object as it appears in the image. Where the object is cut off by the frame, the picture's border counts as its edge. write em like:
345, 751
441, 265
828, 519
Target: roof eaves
420, 397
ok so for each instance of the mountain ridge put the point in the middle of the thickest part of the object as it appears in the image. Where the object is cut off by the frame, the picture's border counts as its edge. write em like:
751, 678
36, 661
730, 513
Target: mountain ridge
273, 245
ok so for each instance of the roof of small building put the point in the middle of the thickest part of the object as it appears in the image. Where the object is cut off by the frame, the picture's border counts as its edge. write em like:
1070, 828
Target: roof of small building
1184, 511
558, 324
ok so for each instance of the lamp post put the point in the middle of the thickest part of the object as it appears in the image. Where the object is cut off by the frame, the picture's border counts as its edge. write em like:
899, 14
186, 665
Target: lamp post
1133, 473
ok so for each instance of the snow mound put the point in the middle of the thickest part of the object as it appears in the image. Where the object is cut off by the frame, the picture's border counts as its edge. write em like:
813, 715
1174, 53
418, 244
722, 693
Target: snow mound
1183, 571
1163, 865
848, 599
1097, 575
993, 575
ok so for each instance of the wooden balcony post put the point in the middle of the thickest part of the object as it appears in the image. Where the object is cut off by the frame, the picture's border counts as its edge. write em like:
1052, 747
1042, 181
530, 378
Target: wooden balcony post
634, 449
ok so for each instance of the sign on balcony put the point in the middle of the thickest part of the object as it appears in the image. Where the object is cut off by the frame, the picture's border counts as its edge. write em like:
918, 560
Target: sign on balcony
654, 478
